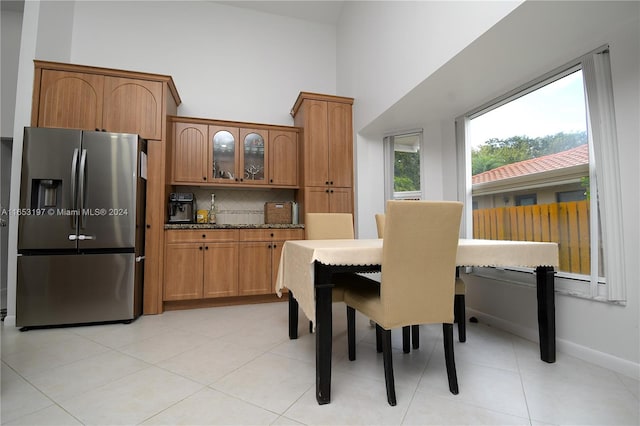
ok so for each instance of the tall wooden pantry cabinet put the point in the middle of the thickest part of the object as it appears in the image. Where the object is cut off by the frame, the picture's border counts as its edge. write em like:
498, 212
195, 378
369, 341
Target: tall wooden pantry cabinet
92, 98
326, 154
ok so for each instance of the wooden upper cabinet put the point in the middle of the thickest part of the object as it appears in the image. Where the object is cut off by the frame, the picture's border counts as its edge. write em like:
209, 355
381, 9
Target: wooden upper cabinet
190, 157
326, 153
340, 128
327, 146
88, 98
224, 154
133, 106
254, 156
316, 166
229, 153
70, 100
283, 158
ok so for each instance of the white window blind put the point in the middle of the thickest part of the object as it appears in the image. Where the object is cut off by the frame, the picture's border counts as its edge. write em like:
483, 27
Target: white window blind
601, 118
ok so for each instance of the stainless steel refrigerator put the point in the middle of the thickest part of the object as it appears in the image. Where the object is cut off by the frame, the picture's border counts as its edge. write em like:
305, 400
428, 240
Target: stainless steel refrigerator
80, 227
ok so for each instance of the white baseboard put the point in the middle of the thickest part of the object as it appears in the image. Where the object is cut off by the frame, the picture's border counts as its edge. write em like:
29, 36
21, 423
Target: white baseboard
10, 321
602, 359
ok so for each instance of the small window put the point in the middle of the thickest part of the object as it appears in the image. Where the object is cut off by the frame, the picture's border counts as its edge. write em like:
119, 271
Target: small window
526, 200
567, 196
402, 171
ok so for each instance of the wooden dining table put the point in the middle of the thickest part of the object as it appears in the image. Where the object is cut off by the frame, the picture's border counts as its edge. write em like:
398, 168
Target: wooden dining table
307, 266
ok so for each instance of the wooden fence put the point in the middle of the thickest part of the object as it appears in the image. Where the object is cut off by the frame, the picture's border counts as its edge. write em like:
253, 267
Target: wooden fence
564, 223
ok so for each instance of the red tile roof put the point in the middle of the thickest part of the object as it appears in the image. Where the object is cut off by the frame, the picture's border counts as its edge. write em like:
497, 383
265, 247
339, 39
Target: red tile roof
573, 157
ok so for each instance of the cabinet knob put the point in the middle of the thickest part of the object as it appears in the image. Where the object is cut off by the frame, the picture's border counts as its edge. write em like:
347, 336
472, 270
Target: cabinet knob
326, 182
330, 182
148, 226
269, 246
326, 190
206, 247
204, 236
272, 234
275, 245
270, 180
200, 248
331, 191
204, 178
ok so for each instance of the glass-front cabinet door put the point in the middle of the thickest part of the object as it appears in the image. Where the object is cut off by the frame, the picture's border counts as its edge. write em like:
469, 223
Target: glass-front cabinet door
224, 154
254, 156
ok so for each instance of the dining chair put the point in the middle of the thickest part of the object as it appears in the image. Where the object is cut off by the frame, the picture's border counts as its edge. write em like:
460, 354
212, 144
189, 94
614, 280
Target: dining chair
330, 226
417, 279
458, 311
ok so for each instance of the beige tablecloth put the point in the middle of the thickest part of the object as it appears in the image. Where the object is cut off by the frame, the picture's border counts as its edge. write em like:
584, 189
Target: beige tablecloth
295, 271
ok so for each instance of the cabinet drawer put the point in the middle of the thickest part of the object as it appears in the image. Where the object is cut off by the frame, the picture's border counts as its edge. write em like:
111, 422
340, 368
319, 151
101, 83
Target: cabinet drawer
201, 235
271, 234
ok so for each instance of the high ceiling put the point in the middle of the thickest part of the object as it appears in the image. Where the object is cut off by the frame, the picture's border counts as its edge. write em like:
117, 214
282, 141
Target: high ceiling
324, 12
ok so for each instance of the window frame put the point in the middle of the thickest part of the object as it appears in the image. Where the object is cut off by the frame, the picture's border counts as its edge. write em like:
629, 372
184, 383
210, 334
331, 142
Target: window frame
598, 91
389, 166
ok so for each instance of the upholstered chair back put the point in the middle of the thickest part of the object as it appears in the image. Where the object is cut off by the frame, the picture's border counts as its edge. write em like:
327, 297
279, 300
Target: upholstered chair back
419, 262
328, 226
380, 224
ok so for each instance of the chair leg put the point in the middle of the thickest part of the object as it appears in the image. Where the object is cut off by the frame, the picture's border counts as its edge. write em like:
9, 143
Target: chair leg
415, 336
378, 339
351, 332
406, 339
447, 332
459, 316
388, 365
293, 317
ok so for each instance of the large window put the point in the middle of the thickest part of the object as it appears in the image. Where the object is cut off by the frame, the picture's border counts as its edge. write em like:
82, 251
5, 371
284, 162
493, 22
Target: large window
402, 166
539, 164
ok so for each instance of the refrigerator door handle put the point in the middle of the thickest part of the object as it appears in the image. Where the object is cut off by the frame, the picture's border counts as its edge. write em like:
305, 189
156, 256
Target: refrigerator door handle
74, 204
81, 179
81, 237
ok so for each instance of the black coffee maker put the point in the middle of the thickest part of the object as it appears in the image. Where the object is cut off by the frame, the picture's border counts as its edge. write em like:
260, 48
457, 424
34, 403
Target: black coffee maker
182, 207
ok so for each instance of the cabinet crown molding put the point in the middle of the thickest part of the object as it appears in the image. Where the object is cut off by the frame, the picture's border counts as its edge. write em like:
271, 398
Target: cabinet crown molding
88, 69
318, 97
227, 123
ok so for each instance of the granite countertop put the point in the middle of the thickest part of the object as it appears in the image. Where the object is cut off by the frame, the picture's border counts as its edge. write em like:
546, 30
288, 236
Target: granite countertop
231, 226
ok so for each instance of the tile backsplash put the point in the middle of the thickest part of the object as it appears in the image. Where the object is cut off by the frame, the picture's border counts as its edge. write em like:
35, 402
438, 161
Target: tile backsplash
238, 206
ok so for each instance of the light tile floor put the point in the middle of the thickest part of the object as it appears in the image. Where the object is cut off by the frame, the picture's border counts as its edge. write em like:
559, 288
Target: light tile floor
236, 366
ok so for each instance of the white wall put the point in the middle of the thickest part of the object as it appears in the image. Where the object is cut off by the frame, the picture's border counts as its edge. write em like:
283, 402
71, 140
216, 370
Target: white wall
227, 62
532, 40
11, 28
384, 50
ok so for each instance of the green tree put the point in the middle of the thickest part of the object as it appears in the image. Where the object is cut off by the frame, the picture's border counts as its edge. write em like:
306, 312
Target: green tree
406, 176
498, 152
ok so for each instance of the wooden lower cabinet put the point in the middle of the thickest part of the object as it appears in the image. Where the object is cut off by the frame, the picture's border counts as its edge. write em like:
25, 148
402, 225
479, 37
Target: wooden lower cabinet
220, 280
223, 263
259, 258
328, 200
183, 271
255, 268
200, 264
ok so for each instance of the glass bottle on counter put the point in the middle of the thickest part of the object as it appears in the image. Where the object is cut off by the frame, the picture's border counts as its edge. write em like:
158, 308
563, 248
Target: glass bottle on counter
212, 210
